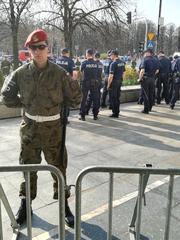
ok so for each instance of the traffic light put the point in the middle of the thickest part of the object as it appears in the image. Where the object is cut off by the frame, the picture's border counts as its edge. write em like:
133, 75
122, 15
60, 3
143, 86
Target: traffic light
141, 47
129, 17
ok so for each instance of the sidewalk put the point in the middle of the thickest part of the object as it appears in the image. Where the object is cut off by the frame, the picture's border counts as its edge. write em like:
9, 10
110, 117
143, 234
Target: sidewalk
131, 140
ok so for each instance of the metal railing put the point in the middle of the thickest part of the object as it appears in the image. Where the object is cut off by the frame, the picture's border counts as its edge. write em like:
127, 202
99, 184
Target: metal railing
26, 169
143, 178
8, 209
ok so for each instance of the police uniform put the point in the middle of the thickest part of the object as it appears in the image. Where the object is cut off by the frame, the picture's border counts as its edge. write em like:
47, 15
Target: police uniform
163, 79
90, 84
176, 85
106, 64
150, 66
67, 63
117, 69
141, 93
40, 92
99, 77
171, 83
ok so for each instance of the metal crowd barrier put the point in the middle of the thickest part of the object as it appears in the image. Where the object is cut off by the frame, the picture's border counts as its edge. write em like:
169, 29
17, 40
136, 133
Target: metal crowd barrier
26, 169
135, 225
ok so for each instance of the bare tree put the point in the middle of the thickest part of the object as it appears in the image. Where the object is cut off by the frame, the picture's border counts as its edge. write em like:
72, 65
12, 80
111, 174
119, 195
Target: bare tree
11, 13
178, 40
170, 30
67, 15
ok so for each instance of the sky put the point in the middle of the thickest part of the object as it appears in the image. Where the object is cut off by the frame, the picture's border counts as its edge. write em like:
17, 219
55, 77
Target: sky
150, 9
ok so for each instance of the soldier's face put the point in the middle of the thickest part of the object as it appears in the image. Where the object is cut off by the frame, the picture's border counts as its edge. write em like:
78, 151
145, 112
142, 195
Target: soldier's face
39, 52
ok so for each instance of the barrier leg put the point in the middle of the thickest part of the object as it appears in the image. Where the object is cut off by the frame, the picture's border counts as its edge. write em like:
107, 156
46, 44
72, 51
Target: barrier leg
145, 179
109, 236
169, 207
1, 232
61, 197
10, 214
139, 207
78, 210
8, 208
134, 217
28, 205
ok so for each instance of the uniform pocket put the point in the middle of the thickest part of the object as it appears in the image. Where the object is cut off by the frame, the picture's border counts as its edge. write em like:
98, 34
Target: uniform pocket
26, 132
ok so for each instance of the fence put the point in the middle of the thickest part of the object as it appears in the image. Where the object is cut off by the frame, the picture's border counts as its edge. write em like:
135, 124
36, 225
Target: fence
26, 169
135, 225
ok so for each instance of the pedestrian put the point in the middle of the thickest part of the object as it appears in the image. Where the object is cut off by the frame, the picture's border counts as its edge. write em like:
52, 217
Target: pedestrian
176, 84
149, 69
116, 75
163, 78
40, 87
90, 84
5, 66
105, 92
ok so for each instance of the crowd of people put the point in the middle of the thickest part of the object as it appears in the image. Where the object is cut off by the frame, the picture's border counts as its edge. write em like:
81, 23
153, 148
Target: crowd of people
160, 79
96, 76
158, 76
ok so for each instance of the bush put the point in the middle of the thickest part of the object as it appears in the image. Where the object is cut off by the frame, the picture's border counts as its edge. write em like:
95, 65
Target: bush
104, 56
131, 77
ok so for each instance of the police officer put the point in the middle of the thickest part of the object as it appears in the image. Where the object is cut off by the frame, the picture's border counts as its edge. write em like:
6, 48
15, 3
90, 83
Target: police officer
106, 64
141, 94
68, 64
40, 87
149, 68
5, 66
116, 75
176, 85
90, 84
99, 77
163, 77
65, 61
171, 76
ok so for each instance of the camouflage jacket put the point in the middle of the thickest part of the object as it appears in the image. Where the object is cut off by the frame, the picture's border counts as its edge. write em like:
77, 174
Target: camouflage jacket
40, 92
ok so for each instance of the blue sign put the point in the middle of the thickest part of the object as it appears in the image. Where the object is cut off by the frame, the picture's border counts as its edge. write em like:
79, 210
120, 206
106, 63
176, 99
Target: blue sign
150, 44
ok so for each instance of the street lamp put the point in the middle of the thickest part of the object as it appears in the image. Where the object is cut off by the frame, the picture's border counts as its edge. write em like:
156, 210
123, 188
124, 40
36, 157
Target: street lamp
159, 23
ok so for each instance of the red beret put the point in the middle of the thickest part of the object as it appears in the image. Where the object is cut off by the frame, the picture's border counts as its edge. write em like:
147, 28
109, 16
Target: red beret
36, 36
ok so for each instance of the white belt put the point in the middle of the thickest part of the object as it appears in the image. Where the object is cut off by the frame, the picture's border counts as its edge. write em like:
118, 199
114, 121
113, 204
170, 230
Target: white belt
38, 118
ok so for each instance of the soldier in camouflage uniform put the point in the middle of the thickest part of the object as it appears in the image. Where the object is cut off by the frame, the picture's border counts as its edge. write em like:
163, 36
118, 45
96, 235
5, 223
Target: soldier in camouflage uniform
40, 87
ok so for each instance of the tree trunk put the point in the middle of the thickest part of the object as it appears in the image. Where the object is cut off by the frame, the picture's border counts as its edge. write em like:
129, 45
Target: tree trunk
15, 47
68, 40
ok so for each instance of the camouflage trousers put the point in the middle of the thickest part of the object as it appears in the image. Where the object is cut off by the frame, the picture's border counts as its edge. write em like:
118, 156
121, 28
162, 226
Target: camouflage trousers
37, 138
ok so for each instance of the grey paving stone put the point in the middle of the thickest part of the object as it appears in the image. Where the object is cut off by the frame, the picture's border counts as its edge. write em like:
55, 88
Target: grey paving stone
131, 140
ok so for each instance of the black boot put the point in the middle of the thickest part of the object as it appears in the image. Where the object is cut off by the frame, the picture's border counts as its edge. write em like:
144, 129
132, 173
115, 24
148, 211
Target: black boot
21, 214
69, 218
82, 118
95, 117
